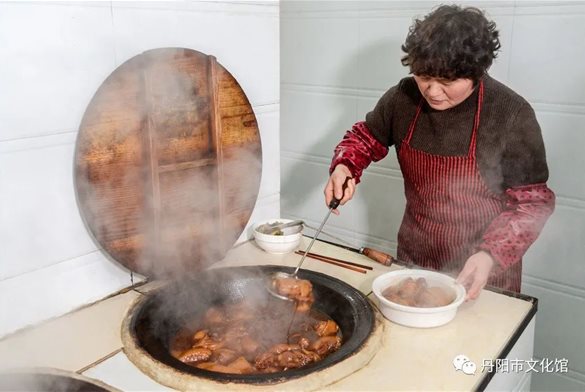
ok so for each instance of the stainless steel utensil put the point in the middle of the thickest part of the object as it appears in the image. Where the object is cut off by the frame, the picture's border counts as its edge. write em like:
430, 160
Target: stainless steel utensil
273, 228
373, 254
271, 283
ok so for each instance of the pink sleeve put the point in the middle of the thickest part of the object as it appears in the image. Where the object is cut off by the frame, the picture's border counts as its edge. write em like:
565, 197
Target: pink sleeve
510, 235
357, 150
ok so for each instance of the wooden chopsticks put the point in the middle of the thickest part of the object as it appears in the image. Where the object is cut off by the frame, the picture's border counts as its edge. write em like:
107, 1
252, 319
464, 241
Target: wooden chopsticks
340, 263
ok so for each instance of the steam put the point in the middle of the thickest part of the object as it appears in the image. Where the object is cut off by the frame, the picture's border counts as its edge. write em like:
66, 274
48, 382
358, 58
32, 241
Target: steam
186, 208
185, 191
185, 302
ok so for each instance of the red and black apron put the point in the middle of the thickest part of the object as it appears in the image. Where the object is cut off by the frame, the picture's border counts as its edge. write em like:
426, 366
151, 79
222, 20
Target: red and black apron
448, 207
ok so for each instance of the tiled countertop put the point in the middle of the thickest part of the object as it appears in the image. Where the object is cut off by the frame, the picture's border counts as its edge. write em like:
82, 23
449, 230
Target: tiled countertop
88, 341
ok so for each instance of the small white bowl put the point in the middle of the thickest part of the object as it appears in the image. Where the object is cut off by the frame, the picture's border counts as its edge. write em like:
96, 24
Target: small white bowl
279, 244
411, 316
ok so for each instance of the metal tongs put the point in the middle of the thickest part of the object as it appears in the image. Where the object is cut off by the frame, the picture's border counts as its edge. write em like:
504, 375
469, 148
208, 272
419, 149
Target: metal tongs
271, 281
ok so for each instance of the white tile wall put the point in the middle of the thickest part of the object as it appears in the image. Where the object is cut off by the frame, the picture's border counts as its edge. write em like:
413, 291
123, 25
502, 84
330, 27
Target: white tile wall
303, 179
302, 182
549, 55
338, 58
547, 382
59, 288
505, 20
319, 56
380, 40
556, 257
268, 123
243, 38
53, 57
557, 129
40, 224
553, 334
315, 117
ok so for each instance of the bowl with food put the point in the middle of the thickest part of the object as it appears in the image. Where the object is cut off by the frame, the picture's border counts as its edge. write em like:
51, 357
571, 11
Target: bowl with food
278, 236
418, 298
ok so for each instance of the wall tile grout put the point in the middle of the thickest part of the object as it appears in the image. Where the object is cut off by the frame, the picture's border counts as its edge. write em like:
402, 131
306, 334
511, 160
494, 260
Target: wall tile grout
539, 106
572, 374
551, 285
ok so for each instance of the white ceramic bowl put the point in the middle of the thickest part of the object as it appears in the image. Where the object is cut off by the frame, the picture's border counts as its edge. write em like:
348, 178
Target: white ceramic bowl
279, 244
411, 316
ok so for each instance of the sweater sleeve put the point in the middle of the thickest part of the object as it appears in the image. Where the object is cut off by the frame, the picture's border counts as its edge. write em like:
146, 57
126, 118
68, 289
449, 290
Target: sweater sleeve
524, 158
510, 235
528, 200
357, 150
368, 140
379, 120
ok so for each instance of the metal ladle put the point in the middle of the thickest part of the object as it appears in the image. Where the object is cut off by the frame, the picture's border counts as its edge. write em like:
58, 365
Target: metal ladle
274, 228
271, 281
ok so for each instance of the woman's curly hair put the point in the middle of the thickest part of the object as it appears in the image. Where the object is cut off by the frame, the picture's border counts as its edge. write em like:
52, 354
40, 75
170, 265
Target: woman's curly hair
451, 43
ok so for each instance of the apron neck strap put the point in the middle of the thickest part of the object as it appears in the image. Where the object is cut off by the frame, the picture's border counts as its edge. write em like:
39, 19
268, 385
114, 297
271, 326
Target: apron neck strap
473, 142
413, 122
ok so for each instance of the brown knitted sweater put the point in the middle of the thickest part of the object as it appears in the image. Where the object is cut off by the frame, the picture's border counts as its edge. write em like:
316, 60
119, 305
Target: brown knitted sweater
510, 150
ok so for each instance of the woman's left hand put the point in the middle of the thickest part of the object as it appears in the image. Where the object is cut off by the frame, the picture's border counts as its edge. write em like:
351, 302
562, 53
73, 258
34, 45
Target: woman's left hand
475, 273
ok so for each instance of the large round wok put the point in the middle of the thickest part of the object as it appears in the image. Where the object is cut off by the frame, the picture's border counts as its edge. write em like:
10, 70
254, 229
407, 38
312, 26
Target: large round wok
49, 380
158, 317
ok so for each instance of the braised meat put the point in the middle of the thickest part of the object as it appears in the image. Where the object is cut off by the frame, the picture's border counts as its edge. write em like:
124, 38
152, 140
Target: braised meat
242, 339
434, 296
417, 293
299, 339
299, 290
326, 345
208, 343
285, 356
224, 356
214, 317
326, 328
239, 366
195, 354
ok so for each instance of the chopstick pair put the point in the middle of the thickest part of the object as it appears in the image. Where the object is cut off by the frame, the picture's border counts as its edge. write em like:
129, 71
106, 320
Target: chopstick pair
340, 263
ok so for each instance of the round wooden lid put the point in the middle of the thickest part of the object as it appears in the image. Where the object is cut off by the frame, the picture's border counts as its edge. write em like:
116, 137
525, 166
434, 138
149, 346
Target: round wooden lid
168, 162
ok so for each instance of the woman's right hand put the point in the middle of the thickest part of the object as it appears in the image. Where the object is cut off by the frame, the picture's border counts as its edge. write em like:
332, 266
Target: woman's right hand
335, 184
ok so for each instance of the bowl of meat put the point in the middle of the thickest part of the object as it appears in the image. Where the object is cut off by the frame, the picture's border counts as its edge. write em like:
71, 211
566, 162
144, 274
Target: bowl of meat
273, 239
418, 298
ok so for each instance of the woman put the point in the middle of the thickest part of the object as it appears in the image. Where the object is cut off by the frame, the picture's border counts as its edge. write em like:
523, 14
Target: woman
470, 151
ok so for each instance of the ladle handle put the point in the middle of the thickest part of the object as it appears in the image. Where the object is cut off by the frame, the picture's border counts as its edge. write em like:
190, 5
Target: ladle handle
335, 202
275, 229
376, 255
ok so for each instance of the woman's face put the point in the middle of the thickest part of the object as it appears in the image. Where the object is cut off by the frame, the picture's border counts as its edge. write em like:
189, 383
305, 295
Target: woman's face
442, 94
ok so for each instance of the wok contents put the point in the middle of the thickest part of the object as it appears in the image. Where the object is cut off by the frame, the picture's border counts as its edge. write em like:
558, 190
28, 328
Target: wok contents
245, 339
299, 290
417, 293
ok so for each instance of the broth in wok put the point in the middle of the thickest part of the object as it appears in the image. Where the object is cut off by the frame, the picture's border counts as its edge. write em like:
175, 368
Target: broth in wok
154, 323
245, 338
